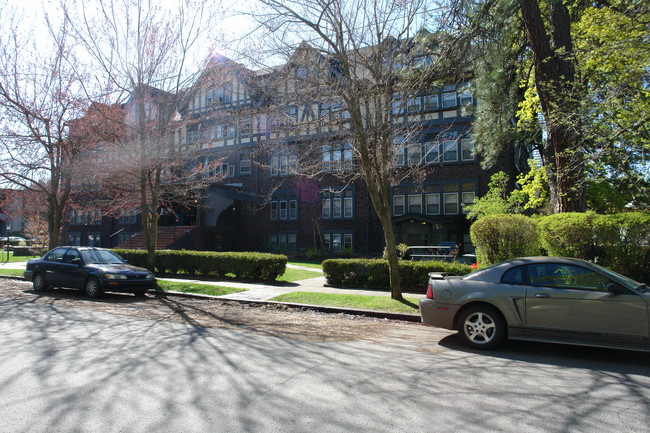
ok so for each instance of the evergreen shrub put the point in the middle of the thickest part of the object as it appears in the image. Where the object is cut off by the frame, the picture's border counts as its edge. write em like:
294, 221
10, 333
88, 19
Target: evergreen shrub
239, 265
373, 273
502, 237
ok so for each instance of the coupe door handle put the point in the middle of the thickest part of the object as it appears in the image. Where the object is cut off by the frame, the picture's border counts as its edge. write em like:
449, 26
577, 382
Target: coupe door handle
542, 295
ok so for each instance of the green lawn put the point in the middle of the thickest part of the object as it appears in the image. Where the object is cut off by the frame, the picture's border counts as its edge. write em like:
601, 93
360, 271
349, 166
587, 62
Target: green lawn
365, 302
16, 272
203, 289
12, 258
308, 264
297, 274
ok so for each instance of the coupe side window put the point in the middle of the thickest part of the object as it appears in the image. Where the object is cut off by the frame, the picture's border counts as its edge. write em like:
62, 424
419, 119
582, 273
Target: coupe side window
567, 277
55, 255
513, 276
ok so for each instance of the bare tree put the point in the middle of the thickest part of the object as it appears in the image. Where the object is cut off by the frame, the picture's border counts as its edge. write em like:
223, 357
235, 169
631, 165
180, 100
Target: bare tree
39, 95
357, 64
145, 53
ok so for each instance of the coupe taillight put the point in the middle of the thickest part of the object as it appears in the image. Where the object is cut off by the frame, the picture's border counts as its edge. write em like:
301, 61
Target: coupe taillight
430, 291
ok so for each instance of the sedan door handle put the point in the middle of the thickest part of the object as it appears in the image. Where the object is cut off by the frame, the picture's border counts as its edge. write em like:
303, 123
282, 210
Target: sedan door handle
542, 295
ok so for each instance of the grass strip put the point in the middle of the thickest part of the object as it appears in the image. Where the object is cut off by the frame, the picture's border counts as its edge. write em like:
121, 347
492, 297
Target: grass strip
297, 275
13, 272
364, 302
202, 289
307, 264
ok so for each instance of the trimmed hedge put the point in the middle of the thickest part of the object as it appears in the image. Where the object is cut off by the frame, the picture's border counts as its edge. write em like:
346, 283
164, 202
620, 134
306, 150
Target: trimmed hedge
620, 242
240, 265
373, 273
502, 237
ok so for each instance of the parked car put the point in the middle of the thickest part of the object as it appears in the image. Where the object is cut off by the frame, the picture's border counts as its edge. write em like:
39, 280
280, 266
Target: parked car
93, 270
551, 299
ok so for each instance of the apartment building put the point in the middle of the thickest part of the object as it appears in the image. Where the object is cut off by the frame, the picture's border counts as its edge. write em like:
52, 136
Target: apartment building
279, 150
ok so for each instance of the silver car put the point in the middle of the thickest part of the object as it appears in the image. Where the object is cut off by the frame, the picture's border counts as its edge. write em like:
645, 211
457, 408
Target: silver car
551, 299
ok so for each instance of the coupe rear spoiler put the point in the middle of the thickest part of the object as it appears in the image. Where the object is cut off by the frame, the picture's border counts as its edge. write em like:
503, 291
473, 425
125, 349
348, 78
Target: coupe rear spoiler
443, 276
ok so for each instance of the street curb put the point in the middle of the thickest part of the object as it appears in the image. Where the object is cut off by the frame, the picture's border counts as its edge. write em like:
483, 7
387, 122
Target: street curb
321, 308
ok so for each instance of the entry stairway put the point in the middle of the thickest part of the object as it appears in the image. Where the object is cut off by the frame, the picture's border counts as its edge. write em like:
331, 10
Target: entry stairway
167, 236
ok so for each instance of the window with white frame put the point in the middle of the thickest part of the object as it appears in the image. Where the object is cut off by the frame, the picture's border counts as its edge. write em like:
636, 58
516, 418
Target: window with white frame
451, 203
450, 150
414, 153
431, 152
338, 204
431, 101
283, 241
467, 149
244, 163
337, 157
397, 106
284, 207
432, 203
94, 240
246, 127
414, 104
465, 96
449, 99
283, 164
399, 151
398, 205
415, 203
337, 242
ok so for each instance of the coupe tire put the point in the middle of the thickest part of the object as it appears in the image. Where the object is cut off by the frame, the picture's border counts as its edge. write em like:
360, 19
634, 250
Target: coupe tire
92, 288
482, 327
39, 283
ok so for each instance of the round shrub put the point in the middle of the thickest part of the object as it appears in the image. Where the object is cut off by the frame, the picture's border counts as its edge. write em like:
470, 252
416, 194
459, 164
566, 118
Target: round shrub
568, 234
503, 236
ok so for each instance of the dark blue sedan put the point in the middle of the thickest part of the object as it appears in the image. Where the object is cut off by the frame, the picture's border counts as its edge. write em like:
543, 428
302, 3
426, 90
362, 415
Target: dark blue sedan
93, 270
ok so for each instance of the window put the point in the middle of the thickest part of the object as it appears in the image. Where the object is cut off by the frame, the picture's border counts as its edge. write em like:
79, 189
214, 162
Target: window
431, 152
246, 127
283, 241
336, 242
245, 163
421, 62
293, 210
284, 208
414, 105
398, 205
465, 96
274, 210
338, 204
566, 277
513, 276
451, 203
275, 166
292, 115
450, 151
94, 239
399, 152
467, 149
415, 203
337, 157
414, 153
431, 102
397, 107
449, 99
74, 238
432, 203
283, 164
468, 198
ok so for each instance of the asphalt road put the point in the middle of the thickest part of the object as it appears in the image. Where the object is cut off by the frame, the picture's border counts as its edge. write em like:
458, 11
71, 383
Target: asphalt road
65, 369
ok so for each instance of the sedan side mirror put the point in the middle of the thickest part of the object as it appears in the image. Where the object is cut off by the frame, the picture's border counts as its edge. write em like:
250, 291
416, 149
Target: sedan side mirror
616, 289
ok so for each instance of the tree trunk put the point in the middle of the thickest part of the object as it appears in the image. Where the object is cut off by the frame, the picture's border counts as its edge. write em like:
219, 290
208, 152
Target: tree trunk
557, 90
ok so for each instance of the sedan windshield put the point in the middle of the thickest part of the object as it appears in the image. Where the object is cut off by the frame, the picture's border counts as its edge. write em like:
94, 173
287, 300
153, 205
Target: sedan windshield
103, 257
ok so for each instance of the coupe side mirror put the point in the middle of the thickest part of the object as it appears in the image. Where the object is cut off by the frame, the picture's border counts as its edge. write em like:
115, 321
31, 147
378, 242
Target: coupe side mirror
616, 289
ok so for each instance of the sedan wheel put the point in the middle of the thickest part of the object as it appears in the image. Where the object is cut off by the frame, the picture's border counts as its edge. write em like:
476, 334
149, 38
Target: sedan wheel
39, 283
482, 327
92, 288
